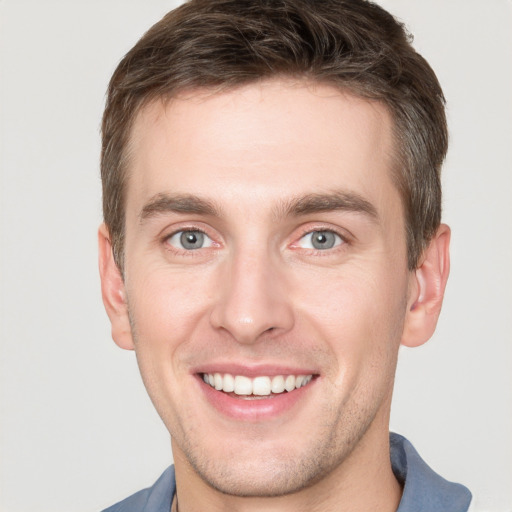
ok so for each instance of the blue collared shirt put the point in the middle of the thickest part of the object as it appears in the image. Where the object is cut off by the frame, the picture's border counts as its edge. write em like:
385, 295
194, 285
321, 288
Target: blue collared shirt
423, 489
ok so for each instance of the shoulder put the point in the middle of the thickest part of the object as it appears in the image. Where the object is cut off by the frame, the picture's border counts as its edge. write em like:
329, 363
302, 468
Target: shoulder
156, 498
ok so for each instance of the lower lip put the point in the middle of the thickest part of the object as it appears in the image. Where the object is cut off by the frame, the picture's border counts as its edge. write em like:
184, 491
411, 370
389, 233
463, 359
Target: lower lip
254, 409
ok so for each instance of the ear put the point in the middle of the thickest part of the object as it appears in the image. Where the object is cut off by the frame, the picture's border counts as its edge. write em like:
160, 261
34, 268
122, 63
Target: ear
427, 286
113, 292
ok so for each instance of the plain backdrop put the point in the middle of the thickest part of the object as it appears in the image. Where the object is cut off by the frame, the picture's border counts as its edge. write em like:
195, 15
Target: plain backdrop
77, 429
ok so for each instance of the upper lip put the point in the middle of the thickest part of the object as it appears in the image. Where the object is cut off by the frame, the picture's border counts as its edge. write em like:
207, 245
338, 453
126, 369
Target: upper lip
252, 371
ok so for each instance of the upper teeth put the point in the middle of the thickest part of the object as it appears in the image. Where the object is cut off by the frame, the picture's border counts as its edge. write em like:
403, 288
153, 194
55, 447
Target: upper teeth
241, 385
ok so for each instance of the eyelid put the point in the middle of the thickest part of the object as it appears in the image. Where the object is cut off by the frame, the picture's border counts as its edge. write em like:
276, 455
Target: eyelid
344, 235
177, 235
338, 239
173, 231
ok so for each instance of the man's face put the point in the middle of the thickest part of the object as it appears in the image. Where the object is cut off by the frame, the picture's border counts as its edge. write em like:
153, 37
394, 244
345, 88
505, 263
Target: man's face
265, 241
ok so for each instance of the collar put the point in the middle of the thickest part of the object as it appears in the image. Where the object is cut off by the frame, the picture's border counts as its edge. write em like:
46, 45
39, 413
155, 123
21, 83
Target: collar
423, 489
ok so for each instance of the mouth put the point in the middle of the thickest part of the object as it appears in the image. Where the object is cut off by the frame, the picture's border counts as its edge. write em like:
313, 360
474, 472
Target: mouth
257, 393
243, 387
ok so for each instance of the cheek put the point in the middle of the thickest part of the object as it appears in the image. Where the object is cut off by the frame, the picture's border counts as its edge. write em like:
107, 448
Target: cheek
167, 306
166, 311
358, 313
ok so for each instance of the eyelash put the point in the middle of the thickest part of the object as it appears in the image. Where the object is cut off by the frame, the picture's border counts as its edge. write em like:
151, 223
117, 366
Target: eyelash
323, 252
168, 247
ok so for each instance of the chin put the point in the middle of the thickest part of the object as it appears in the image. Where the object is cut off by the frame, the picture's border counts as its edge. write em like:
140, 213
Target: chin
270, 472
261, 478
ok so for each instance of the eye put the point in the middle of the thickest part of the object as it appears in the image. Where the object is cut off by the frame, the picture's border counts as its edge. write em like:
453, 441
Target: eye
320, 240
190, 240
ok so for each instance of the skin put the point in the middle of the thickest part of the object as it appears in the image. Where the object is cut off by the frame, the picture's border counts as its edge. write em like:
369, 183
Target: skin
258, 294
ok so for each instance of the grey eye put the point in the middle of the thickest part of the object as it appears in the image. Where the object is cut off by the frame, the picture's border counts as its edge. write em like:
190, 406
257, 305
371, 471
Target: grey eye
320, 240
190, 240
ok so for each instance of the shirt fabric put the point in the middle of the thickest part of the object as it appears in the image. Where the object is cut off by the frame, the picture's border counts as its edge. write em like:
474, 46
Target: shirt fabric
423, 489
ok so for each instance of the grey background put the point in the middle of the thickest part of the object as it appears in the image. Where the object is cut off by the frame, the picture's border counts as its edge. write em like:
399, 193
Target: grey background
77, 430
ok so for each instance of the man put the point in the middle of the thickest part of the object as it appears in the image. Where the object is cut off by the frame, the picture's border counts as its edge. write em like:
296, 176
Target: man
272, 236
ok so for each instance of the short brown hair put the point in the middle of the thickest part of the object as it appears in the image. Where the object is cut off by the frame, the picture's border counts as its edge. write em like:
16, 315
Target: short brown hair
352, 44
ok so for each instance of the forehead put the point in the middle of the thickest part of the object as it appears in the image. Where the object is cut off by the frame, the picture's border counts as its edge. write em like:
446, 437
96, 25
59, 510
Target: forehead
268, 140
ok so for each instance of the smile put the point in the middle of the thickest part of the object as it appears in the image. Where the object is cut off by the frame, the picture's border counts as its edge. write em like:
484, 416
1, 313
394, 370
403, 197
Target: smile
259, 386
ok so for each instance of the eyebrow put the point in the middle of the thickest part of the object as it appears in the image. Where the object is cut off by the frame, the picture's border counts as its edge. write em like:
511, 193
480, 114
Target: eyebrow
332, 201
165, 203
304, 205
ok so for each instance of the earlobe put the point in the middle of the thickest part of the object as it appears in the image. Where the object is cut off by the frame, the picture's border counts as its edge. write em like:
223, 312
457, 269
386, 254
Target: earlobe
113, 292
427, 290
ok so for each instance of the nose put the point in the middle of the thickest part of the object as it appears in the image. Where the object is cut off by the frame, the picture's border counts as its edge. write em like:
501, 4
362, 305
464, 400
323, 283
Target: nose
252, 303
